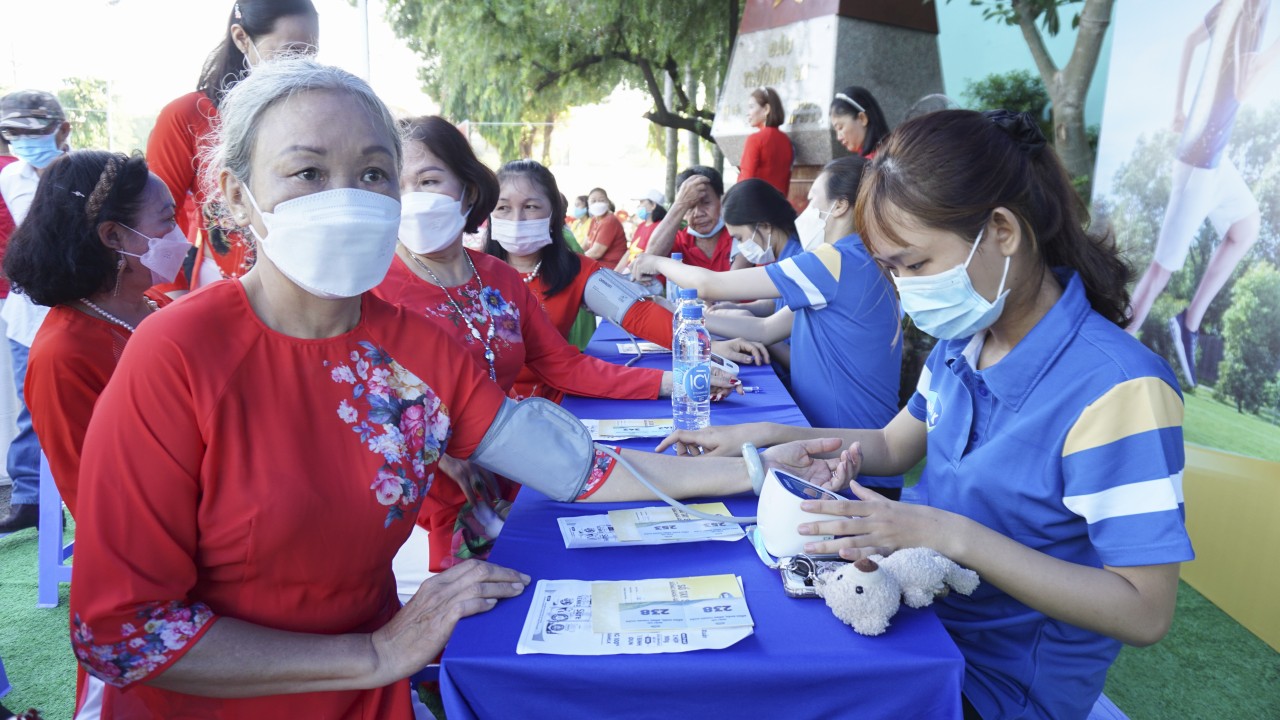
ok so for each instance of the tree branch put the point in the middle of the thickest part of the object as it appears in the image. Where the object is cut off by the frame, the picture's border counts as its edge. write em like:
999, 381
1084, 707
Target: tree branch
1039, 51
680, 122
553, 76
1094, 19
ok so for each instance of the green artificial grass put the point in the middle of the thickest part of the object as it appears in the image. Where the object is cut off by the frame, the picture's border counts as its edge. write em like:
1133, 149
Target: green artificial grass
1208, 666
1215, 424
34, 643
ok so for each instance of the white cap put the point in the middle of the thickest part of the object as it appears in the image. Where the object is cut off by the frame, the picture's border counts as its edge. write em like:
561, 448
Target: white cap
654, 196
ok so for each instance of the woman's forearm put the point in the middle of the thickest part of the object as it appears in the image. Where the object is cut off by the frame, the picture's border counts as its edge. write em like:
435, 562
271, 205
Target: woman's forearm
1132, 604
767, 330
239, 659
678, 477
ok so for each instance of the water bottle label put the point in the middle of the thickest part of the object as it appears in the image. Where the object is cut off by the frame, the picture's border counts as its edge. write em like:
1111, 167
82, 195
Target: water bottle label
697, 383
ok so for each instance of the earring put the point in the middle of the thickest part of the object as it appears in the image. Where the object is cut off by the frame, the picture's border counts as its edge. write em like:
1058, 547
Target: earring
119, 273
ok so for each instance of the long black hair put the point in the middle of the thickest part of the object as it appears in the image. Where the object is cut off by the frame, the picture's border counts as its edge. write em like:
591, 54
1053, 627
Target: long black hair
863, 102
754, 201
226, 65
560, 265
445, 141
55, 256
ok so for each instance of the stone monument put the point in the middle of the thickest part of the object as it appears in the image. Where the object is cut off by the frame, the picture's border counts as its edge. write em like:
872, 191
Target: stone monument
808, 50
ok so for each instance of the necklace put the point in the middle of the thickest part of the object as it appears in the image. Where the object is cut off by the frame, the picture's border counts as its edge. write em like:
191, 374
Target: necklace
529, 276
151, 304
486, 341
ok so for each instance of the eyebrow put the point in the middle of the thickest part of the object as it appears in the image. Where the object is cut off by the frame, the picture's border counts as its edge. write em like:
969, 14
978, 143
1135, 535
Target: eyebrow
370, 150
430, 168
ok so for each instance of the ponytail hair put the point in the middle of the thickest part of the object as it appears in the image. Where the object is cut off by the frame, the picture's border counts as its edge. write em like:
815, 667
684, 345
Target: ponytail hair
226, 65
948, 170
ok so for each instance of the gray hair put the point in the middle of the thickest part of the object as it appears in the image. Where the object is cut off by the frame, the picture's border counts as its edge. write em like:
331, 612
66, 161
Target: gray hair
230, 144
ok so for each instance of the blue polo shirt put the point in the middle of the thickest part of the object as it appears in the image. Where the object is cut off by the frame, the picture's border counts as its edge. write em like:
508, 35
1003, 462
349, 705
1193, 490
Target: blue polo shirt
1071, 445
846, 357
789, 250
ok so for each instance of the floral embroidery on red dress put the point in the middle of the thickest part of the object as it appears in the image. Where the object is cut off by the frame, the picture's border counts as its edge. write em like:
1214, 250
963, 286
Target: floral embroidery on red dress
403, 421
481, 305
145, 646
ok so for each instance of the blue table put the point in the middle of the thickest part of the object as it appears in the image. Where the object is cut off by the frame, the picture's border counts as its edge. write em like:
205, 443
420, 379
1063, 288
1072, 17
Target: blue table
801, 662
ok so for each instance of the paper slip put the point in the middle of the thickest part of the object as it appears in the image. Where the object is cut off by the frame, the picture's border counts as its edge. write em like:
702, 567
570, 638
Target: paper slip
627, 429
560, 623
669, 604
592, 531
646, 348
668, 524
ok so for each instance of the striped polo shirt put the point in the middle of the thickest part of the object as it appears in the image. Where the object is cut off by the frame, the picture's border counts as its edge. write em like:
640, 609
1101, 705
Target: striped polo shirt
1071, 445
846, 359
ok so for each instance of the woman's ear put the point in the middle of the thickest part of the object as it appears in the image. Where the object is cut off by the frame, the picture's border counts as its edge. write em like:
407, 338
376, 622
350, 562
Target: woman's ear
241, 39
235, 198
111, 234
1005, 230
840, 208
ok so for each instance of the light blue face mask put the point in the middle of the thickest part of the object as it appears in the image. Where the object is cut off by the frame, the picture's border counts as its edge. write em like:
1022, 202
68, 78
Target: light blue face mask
714, 231
38, 150
642, 213
946, 306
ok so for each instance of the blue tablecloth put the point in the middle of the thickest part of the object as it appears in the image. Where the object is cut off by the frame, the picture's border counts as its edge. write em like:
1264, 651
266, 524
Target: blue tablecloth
801, 662
773, 404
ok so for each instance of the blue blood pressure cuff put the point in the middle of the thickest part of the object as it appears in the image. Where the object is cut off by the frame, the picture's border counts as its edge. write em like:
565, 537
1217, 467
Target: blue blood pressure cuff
610, 295
540, 445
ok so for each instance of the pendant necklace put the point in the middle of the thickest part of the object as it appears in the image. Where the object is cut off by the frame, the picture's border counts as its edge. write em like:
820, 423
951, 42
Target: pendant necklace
486, 341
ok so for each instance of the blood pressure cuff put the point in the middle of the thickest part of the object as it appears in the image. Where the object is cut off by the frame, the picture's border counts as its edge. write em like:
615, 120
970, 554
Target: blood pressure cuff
540, 445
610, 295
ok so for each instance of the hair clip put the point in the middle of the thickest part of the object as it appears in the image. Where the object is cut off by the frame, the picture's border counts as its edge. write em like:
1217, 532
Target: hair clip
235, 10
77, 193
1021, 127
851, 101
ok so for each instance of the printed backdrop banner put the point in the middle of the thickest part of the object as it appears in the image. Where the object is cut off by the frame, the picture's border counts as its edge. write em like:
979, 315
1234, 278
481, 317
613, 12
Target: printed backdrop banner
1188, 176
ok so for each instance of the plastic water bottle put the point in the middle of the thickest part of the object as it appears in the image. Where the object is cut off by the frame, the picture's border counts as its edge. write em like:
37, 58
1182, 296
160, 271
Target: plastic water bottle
688, 296
691, 371
673, 289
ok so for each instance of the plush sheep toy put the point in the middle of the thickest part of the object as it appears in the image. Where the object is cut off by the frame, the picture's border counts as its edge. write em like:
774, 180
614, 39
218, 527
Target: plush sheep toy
867, 593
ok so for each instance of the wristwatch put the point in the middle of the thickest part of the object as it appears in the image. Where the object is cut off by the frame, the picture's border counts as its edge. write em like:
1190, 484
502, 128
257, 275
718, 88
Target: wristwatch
755, 467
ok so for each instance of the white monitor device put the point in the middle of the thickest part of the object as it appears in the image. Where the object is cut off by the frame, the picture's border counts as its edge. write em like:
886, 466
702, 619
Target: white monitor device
779, 512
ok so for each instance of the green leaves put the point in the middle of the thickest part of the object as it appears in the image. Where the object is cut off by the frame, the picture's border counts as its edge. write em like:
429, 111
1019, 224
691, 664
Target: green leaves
509, 61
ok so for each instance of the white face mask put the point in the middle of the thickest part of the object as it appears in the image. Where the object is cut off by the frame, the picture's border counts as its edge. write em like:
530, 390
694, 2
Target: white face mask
333, 244
703, 236
521, 237
811, 227
946, 306
598, 208
430, 222
754, 253
164, 255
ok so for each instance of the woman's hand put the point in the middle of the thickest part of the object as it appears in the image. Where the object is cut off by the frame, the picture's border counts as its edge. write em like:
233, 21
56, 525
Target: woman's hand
418, 632
723, 385
874, 524
645, 266
798, 458
743, 352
